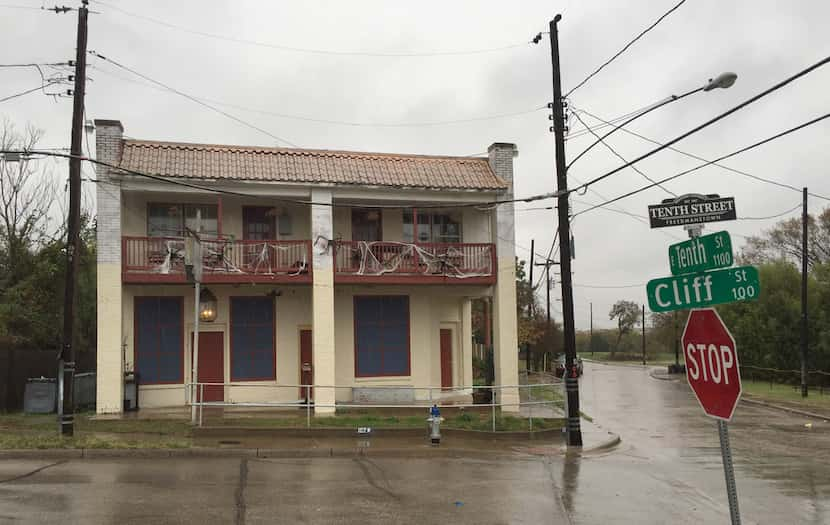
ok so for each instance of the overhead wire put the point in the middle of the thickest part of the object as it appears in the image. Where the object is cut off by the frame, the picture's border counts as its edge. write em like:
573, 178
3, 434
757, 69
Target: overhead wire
698, 157
350, 123
711, 121
22, 93
709, 163
194, 99
313, 51
612, 150
625, 47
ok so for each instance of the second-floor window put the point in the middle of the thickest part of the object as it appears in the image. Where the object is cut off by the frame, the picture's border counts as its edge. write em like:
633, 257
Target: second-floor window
171, 220
432, 227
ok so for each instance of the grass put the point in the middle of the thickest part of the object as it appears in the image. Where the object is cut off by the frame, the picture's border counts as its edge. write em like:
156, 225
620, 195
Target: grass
21, 431
787, 394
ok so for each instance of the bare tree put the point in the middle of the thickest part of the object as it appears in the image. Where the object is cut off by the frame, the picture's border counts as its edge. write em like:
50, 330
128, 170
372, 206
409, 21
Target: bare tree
27, 195
783, 241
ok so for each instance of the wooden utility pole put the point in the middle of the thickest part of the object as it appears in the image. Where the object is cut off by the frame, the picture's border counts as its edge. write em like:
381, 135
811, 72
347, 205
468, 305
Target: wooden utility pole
532, 306
66, 365
644, 335
591, 338
804, 335
571, 379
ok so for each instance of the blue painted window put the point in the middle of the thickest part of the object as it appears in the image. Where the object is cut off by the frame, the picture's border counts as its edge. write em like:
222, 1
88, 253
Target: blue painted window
381, 336
252, 338
159, 350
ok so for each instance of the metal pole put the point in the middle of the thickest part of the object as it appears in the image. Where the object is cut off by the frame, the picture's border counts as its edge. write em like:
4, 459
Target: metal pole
530, 406
194, 365
493, 408
729, 473
73, 241
201, 400
644, 335
571, 380
804, 335
307, 407
676, 343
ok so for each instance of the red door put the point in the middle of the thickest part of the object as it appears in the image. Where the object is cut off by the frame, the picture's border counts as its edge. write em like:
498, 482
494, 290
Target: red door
306, 368
446, 359
211, 365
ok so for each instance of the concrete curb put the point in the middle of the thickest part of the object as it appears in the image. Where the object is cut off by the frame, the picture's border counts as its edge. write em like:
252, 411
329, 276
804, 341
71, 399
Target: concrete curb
812, 415
666, 377
259, 453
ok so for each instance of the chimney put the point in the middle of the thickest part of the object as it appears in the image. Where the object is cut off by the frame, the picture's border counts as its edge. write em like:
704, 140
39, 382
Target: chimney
108, 135
108, 147
501, 155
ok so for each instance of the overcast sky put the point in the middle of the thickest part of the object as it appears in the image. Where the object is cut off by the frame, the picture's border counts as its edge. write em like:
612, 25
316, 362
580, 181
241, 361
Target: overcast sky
763, 41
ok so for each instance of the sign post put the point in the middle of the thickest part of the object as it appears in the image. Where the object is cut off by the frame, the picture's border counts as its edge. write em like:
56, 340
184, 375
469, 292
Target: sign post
714, 376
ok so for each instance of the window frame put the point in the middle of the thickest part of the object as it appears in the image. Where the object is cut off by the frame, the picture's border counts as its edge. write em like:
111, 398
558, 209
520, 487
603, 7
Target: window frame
182, 207
136, 333
273, 376
408, 371
429, 225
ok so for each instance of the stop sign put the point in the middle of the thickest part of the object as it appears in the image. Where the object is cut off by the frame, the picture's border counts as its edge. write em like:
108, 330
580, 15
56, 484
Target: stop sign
711, 363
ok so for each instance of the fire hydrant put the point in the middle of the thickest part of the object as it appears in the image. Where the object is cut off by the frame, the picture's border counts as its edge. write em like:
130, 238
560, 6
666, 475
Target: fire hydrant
434, 420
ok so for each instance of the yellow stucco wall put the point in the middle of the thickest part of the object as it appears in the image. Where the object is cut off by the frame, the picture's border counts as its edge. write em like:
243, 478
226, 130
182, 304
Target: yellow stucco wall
429, 312
110, 365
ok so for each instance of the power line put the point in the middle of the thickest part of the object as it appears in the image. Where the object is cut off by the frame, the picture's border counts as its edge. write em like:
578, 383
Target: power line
351, 123
10, 97
697, 157
313, 51
194, 99
796, 207
625, 48
708, 163
604, 143
709, 122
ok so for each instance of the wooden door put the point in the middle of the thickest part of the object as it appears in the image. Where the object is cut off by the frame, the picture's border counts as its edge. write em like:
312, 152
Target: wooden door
306, 364
446, 358
211, 365
258, 223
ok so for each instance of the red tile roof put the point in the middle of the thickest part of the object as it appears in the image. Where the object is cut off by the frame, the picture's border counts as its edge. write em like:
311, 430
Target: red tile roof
252, 163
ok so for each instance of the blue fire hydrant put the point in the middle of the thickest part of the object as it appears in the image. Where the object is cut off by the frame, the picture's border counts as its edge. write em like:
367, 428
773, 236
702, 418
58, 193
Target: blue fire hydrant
434, 420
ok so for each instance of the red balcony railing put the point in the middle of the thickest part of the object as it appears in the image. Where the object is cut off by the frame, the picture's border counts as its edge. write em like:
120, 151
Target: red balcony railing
398, 262
162, 259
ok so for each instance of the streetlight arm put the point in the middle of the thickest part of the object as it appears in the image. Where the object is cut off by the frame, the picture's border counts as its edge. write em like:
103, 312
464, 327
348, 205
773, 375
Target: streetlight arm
669, 100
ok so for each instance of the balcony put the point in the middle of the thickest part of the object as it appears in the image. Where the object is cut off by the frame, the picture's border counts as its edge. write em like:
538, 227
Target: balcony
405, 263
161, 260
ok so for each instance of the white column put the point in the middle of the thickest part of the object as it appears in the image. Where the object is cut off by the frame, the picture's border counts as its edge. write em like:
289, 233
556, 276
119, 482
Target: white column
323, 300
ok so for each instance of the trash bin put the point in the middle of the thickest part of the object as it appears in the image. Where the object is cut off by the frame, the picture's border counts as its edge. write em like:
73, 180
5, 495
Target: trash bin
40, 396
130, 391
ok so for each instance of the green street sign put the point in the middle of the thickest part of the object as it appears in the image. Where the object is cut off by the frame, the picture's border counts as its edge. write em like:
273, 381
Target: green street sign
707, 252
703, 289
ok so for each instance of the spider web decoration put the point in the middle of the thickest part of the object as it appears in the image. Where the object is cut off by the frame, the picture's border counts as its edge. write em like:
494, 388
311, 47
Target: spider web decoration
383, 257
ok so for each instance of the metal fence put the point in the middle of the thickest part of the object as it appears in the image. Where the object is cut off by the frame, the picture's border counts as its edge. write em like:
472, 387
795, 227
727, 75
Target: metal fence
545, 398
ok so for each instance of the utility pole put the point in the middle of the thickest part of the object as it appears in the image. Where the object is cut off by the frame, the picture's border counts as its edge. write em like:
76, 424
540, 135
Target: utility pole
591, 337
644, 335
66, 364
572, 378
547, 264
804, 335
531, 307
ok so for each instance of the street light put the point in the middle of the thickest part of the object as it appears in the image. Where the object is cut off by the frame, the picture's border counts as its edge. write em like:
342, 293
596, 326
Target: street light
724, 81
207, 306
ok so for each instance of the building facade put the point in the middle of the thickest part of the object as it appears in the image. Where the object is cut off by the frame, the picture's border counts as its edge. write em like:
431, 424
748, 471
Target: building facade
338, 269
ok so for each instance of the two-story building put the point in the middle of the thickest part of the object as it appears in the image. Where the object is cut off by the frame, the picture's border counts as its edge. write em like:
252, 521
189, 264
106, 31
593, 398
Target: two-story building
336, 268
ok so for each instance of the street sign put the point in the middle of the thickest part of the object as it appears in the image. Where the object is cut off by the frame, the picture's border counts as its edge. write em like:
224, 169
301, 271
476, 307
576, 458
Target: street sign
703, 289
707, 252
711, 363
691, 208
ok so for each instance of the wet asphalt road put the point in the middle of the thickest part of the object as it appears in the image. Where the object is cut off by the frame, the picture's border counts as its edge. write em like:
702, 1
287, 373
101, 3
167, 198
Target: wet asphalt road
667, 470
